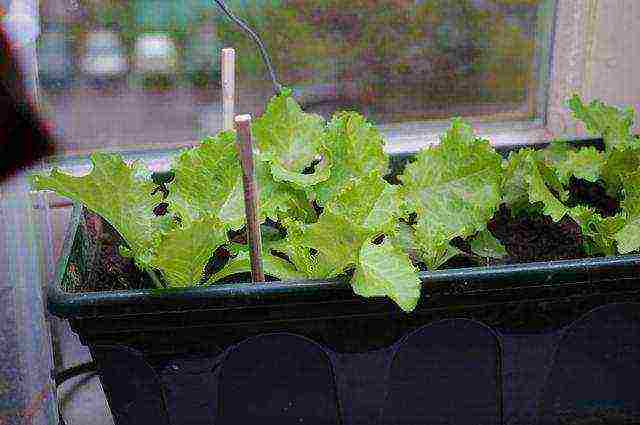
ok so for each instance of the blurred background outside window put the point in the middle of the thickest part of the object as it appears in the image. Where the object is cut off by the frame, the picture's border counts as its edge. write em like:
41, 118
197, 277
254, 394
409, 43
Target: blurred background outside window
134, 74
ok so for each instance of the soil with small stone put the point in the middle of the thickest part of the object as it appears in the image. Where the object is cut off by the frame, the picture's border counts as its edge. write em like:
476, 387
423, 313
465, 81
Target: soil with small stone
526, 238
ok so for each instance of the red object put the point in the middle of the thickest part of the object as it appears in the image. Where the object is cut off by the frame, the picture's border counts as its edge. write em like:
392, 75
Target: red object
24, 138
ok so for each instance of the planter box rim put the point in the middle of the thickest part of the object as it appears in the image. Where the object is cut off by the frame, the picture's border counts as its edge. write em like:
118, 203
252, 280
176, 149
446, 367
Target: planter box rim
460, 282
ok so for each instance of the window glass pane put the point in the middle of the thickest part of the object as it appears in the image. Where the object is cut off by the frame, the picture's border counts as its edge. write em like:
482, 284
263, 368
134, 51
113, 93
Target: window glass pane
138, 73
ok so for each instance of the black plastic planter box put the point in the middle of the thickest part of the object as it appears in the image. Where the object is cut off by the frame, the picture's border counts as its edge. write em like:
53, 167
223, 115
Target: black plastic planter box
313, 352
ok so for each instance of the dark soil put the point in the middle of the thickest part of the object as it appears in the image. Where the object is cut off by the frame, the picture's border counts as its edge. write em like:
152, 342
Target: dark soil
536, 237
528, 237
110, 271
593, 195
107, 269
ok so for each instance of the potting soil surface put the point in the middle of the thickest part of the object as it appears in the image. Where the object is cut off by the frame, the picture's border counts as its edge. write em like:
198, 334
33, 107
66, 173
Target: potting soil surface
527, 237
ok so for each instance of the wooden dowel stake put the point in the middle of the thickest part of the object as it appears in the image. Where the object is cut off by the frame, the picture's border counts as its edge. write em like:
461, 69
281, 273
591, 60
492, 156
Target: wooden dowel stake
228, 76
251, 195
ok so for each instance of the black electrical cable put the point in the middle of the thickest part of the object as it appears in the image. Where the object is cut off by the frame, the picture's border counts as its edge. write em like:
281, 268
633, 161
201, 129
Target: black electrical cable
263, 51
61, 376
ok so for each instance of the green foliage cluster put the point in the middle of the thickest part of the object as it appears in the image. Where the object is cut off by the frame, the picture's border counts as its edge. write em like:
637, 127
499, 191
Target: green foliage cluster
328, 211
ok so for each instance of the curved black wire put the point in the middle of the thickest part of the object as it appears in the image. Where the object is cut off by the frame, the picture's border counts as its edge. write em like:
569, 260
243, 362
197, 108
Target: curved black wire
263, 51
61, 376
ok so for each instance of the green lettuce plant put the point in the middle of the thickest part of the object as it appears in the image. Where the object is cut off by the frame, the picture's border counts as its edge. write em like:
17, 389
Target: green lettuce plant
540, 179
328, 211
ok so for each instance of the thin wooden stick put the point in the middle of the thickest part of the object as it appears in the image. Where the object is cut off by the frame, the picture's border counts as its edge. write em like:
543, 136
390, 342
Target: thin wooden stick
245, 147
228, 76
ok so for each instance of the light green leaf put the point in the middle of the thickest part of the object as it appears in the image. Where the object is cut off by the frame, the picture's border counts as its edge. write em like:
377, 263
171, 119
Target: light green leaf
205, 177
555, 153
598, 232
355, 148
311, 263
208, 180
515, 184
366, 207
434, 256
604, 235
275, 199
613, 124
526, 182
410, 242
585, 163
337, 241
405, 239
368, 201
117, 192
486, 245
622, 154
455, 188
384, 270
551, 179
289, 139
539, 192
280, 174
385, 210
184, 252
619, 164
272, 266
628, 237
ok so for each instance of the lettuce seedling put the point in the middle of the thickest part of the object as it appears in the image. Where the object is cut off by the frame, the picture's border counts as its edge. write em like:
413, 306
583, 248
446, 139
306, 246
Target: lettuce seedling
324, 184
544, 176
119, 193
299, 160
454, 188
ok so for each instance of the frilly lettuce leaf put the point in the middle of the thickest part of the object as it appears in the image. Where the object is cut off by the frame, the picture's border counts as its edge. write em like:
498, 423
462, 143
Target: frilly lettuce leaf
484, 244
321, 173
618, 166
184, 252
622, 148
368, 201
599, 232
354, 147
364, 208
628, 237
613, 124
384, 270
527, 181
454, 188
585, 163
118, 192
275, 199
538, 191
337, 242
404, 238
208, 180
205, 177
312, 263
290, 140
